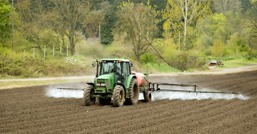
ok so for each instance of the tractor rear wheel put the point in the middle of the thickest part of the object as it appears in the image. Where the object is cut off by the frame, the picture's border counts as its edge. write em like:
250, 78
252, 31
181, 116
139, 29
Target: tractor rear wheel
118, 96
87, 97
147, 96
133, 92
104, 101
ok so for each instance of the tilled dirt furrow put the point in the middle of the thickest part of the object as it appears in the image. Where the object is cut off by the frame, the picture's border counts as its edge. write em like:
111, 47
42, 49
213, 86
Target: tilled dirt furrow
215, 118
189, 117
34, 108
28, 110
164, 116
102, 119
213, 80
63, 113
131, 119
245, 123
230, 84
223, 123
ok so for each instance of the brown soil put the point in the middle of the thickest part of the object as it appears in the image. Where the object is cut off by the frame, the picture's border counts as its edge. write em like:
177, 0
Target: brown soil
28, 110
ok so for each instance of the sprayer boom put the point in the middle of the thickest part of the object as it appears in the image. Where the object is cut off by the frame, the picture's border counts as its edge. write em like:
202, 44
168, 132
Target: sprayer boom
70, 88
156, 87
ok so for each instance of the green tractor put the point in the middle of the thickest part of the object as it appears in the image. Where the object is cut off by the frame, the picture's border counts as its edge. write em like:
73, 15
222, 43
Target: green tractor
116, 82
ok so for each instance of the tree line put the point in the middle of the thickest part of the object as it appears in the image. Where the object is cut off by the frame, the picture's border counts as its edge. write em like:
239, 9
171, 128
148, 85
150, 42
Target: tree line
211, 27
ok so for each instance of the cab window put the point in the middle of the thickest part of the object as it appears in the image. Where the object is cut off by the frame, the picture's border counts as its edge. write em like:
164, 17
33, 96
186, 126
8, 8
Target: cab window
110, 67
126, 68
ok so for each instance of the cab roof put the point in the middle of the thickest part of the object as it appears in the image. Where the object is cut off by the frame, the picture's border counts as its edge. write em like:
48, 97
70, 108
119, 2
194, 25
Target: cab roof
124, 60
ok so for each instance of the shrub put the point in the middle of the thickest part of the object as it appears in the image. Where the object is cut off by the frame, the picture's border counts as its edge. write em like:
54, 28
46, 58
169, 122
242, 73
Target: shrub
218, 49
252, 54
147, 58
16, 65
182, 60
116, 50
94, 49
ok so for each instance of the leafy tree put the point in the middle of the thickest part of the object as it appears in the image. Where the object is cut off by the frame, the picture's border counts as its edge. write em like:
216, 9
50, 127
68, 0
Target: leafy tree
250, 30
33, 23
180, 14
109, 9
159, 6
138, 23
218, 49
217, 26
70, 15
92, 21
246, 5
107, 27
5, 19
224, 6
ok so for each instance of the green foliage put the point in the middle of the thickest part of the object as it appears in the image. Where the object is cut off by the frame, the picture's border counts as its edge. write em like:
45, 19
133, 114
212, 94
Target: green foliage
252, 54
231, 47
128, 30
147, 58
93, 49
170, 52
253, 12
158, 68
218, 29
20, 43
15, 64
118, 50
246, 4
180, 23
5, 19
243, 47
48, 38
70, 18
184, 61
91, 23
137, 22
225, 6
237, 47
107, 28
218, 49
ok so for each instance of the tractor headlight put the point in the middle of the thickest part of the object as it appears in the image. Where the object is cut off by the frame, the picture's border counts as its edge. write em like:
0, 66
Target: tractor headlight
102, 83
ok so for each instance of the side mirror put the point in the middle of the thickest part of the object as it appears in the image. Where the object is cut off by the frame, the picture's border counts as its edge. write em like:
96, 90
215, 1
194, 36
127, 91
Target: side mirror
93, 64
131, 64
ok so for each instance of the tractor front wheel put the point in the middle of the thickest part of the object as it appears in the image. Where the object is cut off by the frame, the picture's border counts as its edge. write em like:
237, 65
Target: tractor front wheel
118, 96
133, 92
87, 97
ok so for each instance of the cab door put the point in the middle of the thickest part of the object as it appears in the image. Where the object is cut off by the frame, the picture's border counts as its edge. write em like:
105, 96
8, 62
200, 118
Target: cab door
126, 72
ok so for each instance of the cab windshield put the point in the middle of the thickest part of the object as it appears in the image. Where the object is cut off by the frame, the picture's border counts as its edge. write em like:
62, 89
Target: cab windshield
110, 67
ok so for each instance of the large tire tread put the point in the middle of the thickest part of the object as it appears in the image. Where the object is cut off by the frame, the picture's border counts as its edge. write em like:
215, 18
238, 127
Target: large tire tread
87, 95
117, 102
133, 95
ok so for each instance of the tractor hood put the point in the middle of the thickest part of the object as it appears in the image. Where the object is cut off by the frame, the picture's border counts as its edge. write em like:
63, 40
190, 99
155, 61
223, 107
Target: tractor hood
106, 76
107, 80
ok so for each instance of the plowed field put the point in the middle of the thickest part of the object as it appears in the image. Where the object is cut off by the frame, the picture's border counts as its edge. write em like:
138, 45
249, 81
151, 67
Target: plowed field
28, 110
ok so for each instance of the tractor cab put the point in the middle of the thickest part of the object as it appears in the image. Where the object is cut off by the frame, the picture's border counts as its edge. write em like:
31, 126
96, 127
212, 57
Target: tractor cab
109, 73
119, 69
